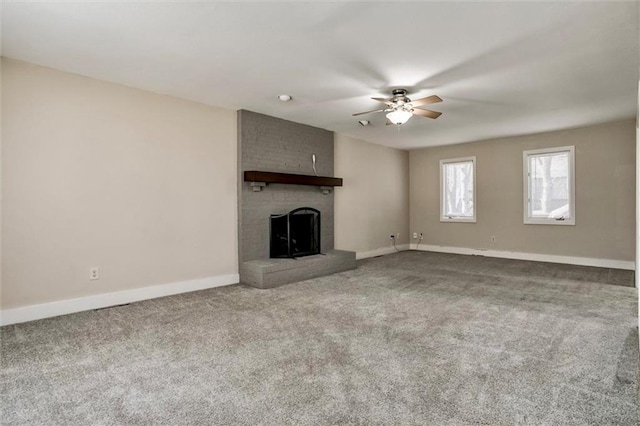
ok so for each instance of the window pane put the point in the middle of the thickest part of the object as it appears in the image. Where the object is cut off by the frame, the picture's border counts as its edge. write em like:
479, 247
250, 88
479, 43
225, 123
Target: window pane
458, 189
549, 185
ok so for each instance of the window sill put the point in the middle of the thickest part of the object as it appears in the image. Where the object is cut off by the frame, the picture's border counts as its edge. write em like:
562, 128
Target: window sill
458, 220
570, 222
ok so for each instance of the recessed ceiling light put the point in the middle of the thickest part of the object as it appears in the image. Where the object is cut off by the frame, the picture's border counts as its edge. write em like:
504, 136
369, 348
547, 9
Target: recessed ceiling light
285, 98
364, 122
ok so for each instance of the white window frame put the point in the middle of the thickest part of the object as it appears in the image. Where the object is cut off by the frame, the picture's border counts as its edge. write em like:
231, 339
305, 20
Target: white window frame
528, 220
463, 219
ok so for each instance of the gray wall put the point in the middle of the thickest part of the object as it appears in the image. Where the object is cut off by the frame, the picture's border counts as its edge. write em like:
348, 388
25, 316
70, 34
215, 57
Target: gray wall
605, 195
271, 144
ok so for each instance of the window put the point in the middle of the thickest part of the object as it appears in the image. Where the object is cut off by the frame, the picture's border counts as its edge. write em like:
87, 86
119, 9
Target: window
549, 186
457, 190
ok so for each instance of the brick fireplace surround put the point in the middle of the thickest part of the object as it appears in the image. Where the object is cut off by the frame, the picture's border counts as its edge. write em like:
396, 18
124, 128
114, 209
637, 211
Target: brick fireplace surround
274, 145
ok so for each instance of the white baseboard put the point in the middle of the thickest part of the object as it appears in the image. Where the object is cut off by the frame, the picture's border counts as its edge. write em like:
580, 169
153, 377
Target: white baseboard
536, 257
70, 306
381, 251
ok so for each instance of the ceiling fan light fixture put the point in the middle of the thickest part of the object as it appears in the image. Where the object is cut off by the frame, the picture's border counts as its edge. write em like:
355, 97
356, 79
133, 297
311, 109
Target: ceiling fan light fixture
399, 116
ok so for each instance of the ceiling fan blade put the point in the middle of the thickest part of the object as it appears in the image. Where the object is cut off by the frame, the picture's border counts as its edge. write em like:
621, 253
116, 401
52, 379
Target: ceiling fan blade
426, 113
425, 101
383, 100
367, 112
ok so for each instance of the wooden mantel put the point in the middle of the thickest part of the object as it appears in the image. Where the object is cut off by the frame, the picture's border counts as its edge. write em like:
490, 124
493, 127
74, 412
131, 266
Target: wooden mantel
292, 179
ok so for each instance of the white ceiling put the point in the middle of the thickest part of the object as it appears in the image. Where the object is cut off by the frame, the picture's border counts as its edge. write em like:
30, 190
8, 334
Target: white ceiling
502, 68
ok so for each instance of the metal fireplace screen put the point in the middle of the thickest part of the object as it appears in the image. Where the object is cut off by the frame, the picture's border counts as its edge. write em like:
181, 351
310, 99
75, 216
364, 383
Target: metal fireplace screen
295, 234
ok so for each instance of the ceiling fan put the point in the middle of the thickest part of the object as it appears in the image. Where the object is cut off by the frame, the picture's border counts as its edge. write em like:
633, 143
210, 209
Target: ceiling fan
400, 108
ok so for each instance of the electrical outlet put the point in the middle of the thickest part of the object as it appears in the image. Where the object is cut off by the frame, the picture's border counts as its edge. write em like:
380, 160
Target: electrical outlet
397, 235
493, 238
415, 235
94, 273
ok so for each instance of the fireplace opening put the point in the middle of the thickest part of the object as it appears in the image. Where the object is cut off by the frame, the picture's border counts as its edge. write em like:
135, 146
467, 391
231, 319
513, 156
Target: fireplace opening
295, 234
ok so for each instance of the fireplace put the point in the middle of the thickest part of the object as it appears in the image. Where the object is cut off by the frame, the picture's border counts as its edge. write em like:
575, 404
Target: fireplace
295, 234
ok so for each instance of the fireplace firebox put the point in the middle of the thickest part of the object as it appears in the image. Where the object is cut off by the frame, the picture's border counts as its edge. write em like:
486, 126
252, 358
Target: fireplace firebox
295, 234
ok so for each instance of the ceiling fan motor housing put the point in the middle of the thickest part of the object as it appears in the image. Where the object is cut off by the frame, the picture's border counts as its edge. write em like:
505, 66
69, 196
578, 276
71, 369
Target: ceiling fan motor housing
400, 96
